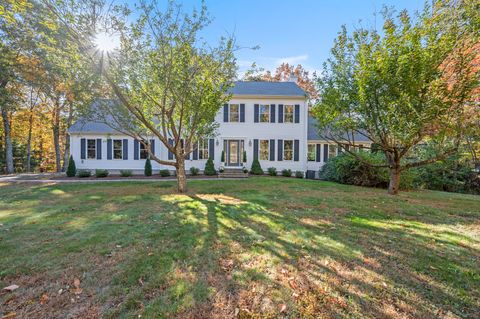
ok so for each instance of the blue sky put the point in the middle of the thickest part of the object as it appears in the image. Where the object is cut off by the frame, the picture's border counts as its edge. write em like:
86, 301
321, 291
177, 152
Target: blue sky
294, 31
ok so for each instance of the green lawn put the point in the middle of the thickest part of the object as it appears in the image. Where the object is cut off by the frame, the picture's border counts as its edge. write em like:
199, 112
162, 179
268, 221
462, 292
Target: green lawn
256, 248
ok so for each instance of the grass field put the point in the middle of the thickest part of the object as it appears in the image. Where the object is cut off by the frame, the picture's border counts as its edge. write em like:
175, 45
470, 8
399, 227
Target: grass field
254, 248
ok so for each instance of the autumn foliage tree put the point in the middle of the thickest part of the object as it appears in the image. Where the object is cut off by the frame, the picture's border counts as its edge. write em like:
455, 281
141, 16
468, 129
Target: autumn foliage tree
412, 83
286, 72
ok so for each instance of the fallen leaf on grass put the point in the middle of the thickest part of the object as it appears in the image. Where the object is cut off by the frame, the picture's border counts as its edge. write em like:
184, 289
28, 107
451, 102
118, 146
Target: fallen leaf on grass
76, 284
10, 315
43, 299
11, 288
283, 307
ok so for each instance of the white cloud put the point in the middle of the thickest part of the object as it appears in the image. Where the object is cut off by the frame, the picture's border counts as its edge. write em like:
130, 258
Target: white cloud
292, 59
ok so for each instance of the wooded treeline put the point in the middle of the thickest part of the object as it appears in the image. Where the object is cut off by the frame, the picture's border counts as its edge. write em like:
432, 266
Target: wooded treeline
42, 87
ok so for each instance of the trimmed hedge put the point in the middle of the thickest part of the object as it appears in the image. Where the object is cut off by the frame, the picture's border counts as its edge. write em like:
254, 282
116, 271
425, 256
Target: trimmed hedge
71, 169
287, 172
194, 171
99, 173
148, 168
84, 173
256, 169
164, 172
272, 171
209, 168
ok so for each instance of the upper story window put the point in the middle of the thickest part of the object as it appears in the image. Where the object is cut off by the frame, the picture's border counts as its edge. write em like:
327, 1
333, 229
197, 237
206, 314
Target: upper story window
91, 149
203, 149
288, 150
264, 113
117, 149
288, 113
264, 150
312, 155
143, 151
234, 113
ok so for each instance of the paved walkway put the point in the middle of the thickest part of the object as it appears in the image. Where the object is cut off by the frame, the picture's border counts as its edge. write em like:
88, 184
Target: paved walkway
54, 178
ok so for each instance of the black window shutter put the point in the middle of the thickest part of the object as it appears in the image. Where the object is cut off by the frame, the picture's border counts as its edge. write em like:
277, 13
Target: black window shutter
125, 149
211, 148
325, 152
99, 148
280, 113
255, 149
195, 152
152, 146
296, 150
297, 113
225, 112
83, 148
272, 113
255, 113
188, 155
242, 113
280, 150
318, 149
109, 149
272, 150
135, 149
170, 154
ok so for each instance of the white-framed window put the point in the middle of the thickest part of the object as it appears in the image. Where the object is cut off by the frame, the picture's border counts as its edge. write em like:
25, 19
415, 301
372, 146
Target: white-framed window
117, 149
203, 149
332, 150
312, 153
264, 150
288, 150
234, 113
264, 113
91, 149
143, 151
288, 111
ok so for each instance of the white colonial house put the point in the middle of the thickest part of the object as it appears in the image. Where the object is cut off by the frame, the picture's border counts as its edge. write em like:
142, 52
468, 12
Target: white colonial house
269, 120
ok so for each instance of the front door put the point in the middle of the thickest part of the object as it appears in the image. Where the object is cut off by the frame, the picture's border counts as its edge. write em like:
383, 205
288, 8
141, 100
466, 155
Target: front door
233, 153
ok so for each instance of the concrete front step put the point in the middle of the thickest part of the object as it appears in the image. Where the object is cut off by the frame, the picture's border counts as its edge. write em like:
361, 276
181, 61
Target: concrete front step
232, 173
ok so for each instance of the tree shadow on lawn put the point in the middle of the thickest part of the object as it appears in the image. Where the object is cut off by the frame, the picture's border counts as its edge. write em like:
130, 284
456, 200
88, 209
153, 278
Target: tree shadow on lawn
212, 255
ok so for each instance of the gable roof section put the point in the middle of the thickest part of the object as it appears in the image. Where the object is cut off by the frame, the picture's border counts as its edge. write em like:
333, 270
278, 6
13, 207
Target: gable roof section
313, 133
259, 88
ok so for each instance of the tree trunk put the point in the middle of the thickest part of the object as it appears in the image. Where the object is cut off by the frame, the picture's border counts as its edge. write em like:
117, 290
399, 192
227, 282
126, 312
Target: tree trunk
181, 176
8, 142
394, 184
29, 142
56, 138
66, 152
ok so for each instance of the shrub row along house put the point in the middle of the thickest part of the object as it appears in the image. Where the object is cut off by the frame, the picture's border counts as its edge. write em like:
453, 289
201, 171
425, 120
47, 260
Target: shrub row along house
269, 121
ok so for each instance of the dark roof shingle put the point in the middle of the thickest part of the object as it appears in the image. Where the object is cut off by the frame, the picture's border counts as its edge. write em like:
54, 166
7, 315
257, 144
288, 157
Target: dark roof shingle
267, 88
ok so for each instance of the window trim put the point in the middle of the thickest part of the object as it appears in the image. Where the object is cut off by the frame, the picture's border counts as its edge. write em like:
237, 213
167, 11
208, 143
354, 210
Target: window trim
205, 145
140, 145
314, 152
336, 150
260, 149
260, 113
230, 113
94, 148
121, 149
292, 150
285, 113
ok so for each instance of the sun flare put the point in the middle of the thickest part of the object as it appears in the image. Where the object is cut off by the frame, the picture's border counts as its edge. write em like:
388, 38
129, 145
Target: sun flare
106, 42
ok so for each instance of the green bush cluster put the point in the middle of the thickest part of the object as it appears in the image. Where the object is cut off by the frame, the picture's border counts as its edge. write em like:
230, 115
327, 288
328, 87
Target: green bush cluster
71, 169
256, 169
148, 168
99, 173
272, 171
299, 174
84, 173
164, 172
209, 167
287, 172
194, 171
126, 172
454, 174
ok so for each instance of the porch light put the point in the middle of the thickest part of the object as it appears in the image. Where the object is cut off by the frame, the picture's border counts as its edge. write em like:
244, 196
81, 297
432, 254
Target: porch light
250, 143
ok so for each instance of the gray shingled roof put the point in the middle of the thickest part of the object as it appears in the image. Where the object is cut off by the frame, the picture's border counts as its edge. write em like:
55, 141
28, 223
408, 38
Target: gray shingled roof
86, 126
267, 88
314, 134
